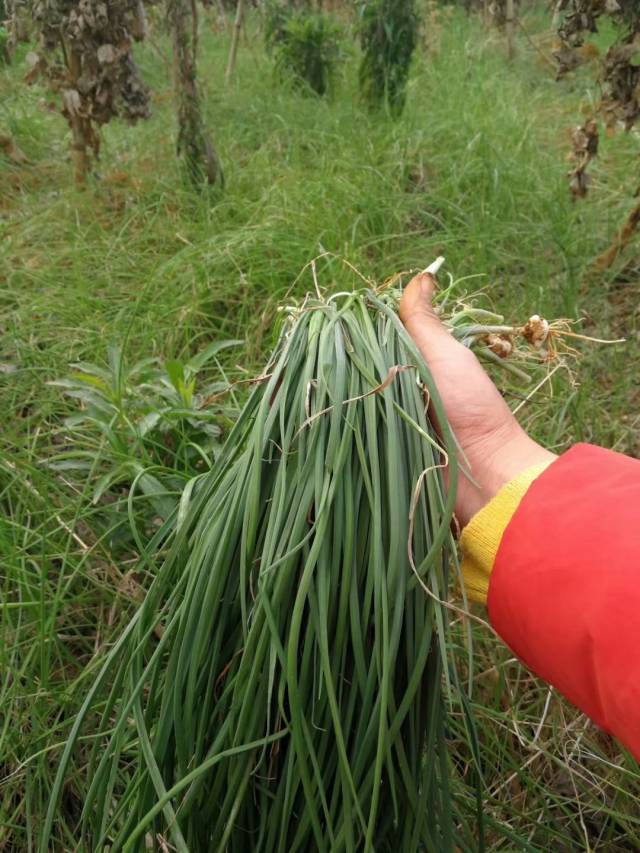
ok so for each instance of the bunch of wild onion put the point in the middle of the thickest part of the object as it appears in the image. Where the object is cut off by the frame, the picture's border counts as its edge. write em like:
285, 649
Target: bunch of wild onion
285, 684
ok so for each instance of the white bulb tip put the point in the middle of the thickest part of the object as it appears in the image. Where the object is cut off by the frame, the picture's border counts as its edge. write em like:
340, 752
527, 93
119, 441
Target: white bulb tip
433, 268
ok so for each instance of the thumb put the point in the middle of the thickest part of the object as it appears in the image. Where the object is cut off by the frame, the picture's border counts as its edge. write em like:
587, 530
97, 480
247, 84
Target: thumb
420, 319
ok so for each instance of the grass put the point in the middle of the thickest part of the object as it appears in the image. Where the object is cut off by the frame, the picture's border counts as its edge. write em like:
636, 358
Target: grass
473, 170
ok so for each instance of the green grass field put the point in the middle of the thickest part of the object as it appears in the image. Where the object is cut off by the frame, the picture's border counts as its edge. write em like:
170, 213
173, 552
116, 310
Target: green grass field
475, 170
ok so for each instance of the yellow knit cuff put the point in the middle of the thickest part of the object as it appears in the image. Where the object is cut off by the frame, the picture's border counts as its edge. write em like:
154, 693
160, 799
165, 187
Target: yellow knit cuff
481, 537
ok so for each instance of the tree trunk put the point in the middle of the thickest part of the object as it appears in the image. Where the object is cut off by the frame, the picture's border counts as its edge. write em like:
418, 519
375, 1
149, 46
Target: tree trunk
510, 28
80, 132
235, 38
79, 154
194, 143
17, 24
139, 27
222, 16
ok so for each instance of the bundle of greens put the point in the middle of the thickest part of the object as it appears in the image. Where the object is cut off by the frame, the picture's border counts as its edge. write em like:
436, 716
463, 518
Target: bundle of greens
287, 682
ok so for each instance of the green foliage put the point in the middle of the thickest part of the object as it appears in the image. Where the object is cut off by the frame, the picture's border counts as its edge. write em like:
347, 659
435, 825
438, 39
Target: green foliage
144, 423
4, 33
307, 46
388, 34
277, 14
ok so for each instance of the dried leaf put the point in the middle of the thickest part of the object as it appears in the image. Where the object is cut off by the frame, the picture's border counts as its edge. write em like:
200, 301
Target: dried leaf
621, 66
585, 142
621, 101
95, 74
71, 102
106, 54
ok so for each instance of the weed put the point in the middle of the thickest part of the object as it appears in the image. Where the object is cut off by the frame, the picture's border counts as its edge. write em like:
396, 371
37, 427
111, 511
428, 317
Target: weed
308, 47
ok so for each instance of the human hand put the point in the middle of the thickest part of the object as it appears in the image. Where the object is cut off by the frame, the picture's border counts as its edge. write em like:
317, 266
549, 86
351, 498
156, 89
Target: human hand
495, 446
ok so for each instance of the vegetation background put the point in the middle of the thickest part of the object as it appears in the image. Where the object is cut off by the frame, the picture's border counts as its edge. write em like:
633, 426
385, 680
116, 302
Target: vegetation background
143, 280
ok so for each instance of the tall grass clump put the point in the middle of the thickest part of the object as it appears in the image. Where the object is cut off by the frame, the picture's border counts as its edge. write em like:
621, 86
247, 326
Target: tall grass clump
284, 685
307, 46
4, 37
388, 35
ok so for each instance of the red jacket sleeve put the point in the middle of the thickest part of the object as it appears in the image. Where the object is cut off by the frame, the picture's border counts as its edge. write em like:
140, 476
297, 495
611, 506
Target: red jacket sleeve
565, 588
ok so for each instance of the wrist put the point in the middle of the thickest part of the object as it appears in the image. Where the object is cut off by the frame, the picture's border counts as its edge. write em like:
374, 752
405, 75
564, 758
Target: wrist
510, 457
